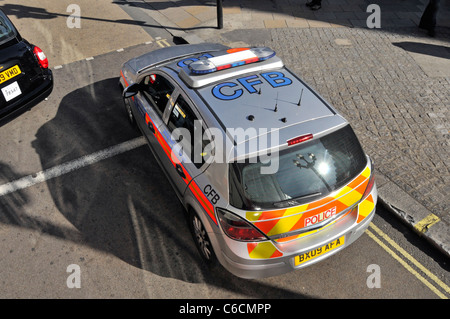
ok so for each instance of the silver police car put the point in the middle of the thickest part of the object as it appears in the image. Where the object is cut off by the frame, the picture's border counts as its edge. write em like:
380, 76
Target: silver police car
273, 179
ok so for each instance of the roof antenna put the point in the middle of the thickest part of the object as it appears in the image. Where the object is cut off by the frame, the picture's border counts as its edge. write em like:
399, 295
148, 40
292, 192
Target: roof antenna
259, 91
300, 100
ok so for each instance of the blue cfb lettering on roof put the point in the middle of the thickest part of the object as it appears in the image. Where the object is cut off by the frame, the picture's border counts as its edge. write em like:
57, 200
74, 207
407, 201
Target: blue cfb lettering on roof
232, 90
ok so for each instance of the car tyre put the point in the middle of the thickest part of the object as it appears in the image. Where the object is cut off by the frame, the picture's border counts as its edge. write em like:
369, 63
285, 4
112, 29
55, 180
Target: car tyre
201, 239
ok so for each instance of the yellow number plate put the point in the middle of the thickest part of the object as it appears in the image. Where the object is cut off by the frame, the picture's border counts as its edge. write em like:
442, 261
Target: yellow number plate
300, 259
9, 74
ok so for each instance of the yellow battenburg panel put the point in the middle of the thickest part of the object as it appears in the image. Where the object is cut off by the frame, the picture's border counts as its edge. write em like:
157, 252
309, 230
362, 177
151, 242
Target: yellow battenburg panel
290, 238
284, 225
295, 210
253, 216
365, 208
263, 215
351, 196
262, 250
286, 239
282, 221
344, 190
366, 172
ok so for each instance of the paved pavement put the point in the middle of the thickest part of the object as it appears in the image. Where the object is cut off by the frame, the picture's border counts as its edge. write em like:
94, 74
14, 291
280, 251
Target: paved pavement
392, 83
113, 28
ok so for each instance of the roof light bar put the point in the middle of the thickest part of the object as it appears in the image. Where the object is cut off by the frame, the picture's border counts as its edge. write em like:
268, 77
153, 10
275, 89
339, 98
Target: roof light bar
231, 60
299, 139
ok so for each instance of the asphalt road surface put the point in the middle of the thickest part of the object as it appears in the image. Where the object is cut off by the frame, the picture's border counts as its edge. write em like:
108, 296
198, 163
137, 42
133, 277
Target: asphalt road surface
81, 193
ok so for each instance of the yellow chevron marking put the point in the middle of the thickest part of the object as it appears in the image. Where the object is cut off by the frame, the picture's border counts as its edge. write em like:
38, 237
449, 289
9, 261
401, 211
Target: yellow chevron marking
263, 250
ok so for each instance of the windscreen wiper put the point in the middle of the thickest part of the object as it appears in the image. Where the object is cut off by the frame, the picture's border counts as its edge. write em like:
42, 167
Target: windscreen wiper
294, 199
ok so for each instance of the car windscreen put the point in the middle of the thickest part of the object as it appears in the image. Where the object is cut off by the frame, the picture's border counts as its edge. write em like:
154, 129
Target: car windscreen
306, 172
7, 30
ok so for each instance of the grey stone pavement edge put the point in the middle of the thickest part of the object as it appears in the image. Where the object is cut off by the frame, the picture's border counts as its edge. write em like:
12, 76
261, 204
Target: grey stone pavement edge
392, 83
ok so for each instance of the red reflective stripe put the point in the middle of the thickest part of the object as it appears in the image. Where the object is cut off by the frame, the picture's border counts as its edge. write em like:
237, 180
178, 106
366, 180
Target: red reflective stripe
125, 80
167, 148
207, 206
147, 119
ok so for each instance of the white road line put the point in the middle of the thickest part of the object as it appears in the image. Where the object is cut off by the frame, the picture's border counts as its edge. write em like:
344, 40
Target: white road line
71, 166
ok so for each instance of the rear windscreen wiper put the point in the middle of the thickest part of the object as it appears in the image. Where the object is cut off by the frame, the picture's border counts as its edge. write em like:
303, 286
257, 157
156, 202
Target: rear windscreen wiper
294, 199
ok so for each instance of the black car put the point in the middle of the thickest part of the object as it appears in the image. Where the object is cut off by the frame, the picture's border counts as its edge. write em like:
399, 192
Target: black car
25, 78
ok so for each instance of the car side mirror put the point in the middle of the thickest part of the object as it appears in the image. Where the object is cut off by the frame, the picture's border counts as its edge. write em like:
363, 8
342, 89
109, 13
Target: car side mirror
131, 90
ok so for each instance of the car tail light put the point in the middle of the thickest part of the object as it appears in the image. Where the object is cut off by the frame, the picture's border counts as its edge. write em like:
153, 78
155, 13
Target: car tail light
41, 57
237, 228
371, 182
299, 139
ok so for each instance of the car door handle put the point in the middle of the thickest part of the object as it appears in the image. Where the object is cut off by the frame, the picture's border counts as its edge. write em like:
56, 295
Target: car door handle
180, 170
150, 127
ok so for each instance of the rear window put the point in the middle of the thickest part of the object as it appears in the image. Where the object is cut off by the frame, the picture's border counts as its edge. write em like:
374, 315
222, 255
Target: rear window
7, 30
305, 172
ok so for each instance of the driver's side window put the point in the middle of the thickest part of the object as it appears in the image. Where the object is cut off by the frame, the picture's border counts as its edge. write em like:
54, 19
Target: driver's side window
157, 90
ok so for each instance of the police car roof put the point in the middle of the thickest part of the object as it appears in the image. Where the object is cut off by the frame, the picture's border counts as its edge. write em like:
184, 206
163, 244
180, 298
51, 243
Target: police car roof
263, 94
164, 55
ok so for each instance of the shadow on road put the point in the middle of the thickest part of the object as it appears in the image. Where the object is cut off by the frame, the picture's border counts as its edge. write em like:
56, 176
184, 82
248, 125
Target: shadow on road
438, 51
11, 204
21, 12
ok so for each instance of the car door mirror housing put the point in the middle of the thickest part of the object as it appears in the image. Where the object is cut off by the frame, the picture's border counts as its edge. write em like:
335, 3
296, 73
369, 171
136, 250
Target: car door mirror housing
131, 90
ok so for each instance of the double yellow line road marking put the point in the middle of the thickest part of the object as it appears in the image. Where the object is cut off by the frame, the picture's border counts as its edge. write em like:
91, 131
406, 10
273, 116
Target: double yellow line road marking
163, 43
406, 260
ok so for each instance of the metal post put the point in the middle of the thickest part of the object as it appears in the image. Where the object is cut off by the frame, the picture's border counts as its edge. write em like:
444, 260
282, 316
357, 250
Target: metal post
219, 14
